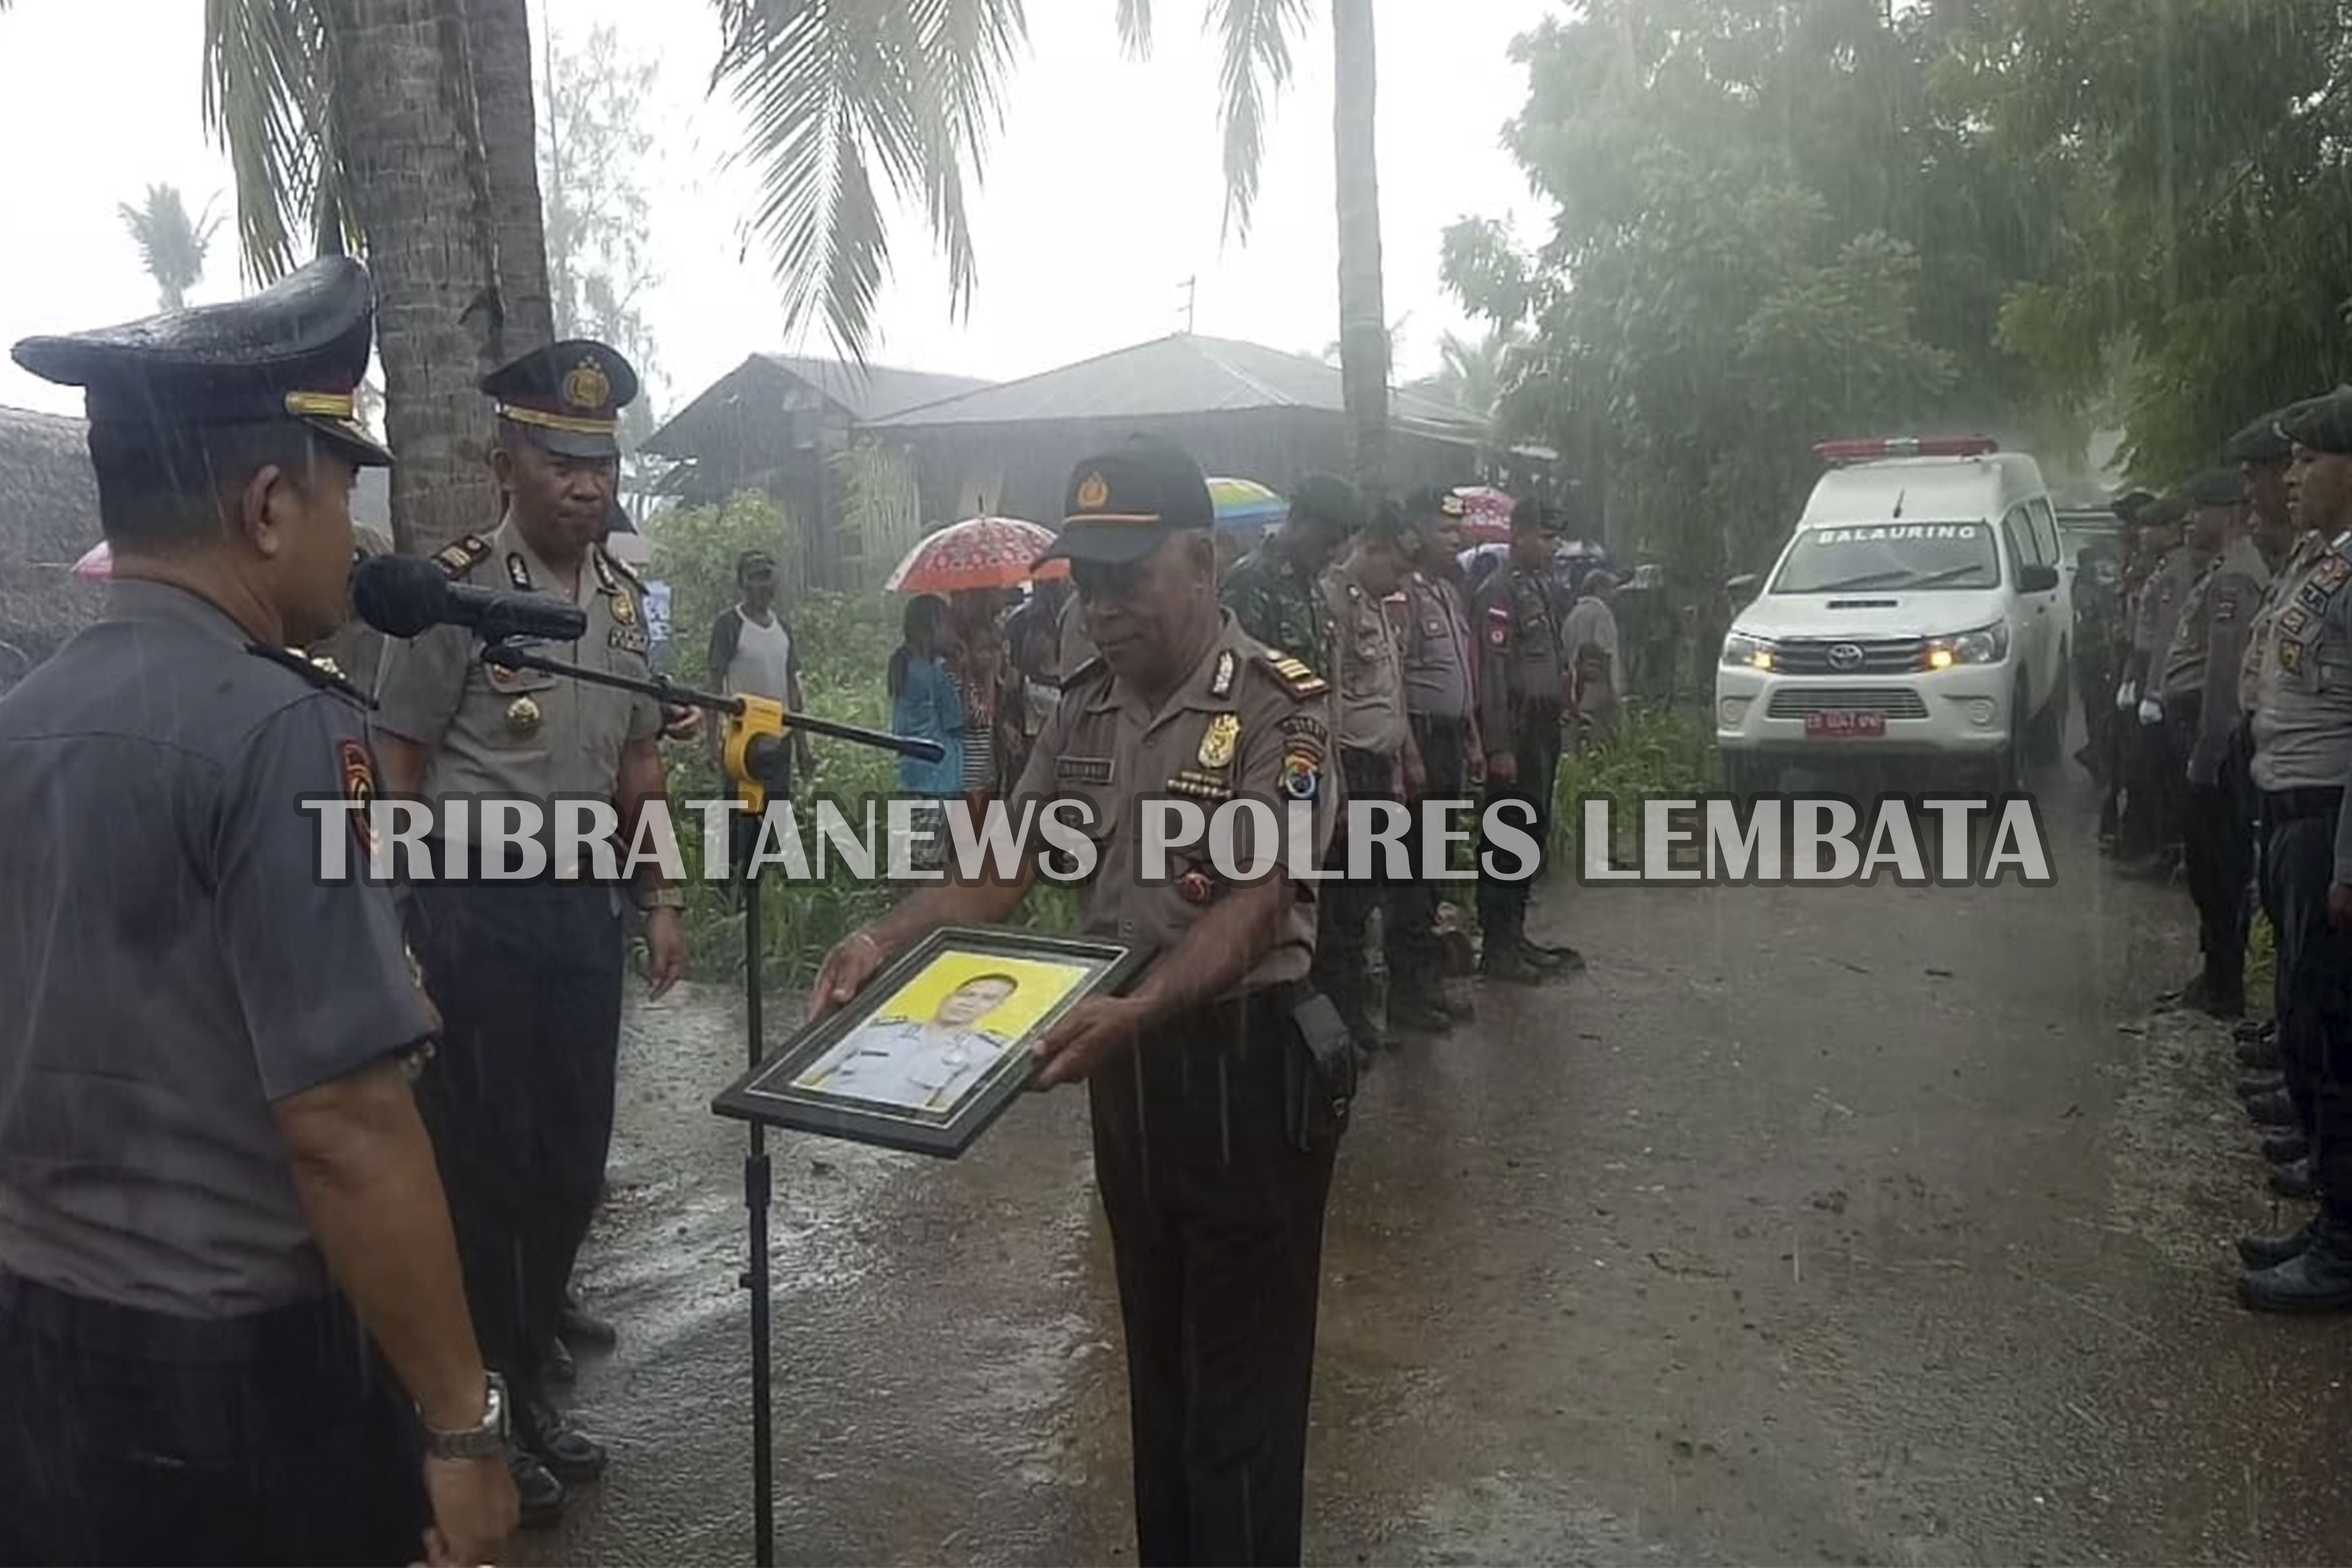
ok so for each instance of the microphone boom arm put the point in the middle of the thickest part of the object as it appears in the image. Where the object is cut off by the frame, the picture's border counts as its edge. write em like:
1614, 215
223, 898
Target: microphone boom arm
755, 725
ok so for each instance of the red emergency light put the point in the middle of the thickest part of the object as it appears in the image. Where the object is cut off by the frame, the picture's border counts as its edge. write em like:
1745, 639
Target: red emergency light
1871, 449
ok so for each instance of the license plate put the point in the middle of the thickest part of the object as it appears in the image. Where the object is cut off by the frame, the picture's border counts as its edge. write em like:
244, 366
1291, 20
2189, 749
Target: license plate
1837, 723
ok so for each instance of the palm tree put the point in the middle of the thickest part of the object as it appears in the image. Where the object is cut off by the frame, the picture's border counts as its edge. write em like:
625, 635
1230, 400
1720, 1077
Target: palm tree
172, 246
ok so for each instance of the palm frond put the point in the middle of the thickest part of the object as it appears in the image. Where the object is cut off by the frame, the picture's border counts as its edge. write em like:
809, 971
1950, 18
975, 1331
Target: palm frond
268, 83
1135, 28
1256, 35
837, 94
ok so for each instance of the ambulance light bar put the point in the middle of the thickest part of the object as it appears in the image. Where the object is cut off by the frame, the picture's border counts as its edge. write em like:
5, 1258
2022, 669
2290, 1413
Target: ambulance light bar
1874, 448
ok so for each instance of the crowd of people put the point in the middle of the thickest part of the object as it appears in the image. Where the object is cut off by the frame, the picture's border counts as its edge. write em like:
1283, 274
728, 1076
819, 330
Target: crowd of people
2216, 676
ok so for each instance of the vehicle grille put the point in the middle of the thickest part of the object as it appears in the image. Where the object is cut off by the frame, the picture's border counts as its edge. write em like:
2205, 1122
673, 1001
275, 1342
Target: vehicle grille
1880, 656
1895, 701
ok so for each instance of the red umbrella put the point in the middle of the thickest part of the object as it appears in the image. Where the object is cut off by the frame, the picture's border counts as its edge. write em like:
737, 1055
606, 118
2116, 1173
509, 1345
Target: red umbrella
1487, 513
98, 564
978, 552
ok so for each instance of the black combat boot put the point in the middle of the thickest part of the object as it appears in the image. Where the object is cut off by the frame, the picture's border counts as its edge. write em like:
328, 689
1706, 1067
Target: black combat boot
2316, 1280
1505, 959
2286, 1148
1414, 1007
2295, 1179
2273, 1109
2260, 1053
548, 1435
2270, 1251
582, 1329
2254, 1085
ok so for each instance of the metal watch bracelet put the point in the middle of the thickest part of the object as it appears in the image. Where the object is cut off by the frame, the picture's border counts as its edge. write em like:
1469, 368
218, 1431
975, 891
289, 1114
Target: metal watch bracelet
486, 1440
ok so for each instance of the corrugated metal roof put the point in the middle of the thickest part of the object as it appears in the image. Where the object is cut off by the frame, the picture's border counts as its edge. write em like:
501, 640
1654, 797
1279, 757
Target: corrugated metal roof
764, 378
879, 389
1180, 374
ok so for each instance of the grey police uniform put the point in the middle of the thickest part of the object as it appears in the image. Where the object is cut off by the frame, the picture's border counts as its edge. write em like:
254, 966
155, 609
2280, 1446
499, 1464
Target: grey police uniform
1433, 631
180, 1378
1367, 701
527, 973
1213, 1165
1519, 688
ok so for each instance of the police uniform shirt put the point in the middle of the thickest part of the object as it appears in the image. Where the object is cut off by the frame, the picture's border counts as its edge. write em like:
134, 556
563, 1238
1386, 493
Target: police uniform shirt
1368, 683
1432, 634
172, 961
1519, 661
2180, 669
2303, 690
1248, 722
2160, 611
523, 732
904, 1062
2233, 593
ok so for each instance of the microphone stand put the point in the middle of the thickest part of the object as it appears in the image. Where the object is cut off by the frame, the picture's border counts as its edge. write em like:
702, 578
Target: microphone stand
760, 757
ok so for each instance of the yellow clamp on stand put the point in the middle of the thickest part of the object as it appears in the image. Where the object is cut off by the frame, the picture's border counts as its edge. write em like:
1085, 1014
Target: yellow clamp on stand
755, 750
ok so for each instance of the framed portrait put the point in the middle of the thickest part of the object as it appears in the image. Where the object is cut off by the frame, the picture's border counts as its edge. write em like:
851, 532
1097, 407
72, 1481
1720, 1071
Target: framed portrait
929, 1054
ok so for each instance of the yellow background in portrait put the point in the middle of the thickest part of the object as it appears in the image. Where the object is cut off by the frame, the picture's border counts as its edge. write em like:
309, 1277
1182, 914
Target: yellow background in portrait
1043, 986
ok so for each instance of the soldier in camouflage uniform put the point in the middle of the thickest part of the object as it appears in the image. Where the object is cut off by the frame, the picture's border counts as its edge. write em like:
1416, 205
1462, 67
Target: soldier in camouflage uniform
1271, 591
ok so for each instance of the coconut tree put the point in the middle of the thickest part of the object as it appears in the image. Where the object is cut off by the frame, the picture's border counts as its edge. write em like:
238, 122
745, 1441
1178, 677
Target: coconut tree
172, 244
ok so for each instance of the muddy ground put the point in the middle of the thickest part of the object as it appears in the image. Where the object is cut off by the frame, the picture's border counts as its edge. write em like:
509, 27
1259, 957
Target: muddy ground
1809, 1225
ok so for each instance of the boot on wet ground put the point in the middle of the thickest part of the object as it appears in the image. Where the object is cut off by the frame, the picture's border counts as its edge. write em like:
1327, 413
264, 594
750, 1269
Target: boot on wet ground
542, 1497
1510, 964
2255, 1085
2316, 1280
2296, 1180
2274, 1109
2261, 1053
1418, 1010
2286, 1148
2260, 1252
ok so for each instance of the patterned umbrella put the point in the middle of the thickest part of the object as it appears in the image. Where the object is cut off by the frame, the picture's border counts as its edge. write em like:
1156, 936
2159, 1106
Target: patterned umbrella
1246, 503
978, 552
1487, 513
97, 564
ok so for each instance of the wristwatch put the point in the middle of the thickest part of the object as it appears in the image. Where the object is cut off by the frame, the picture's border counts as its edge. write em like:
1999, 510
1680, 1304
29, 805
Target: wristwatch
484, 1441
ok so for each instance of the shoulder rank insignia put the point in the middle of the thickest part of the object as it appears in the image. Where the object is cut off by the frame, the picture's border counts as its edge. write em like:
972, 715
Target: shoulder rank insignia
1296, 679
463, 555
612, 572
1217, 740
319, 672
518, 572
1221, 684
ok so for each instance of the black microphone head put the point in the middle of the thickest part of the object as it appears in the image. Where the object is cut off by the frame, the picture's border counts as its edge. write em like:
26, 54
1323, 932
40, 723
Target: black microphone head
399, 595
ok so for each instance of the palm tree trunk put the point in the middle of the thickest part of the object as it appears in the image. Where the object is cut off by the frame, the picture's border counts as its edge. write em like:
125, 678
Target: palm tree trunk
406, 118
499, 41
1363, 315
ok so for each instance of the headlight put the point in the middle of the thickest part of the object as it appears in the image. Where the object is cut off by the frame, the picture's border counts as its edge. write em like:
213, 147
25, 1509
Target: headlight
1741, 648
1985, 645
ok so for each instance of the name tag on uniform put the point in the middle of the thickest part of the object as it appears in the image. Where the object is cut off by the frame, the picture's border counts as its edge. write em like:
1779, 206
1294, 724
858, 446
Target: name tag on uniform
1200, 786
628, 639
1082, 770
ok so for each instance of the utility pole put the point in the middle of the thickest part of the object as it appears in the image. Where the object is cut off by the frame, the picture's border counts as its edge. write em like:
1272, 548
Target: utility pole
1191, 291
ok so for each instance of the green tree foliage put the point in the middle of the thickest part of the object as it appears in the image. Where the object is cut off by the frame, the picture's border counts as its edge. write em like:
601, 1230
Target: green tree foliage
172, 244
2202, 277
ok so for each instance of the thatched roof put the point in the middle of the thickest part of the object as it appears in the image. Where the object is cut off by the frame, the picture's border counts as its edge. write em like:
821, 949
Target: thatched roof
49, 517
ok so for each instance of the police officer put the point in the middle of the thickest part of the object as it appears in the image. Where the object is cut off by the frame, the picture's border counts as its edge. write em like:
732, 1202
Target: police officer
1432, 623
219, 1218
1272, 590
528, 973
1378, 761
1522, 690
2302, 752
1219, 1082
2151, 825
2200, 701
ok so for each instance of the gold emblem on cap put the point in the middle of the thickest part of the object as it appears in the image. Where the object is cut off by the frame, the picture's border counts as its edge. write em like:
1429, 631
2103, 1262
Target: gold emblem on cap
1217, 743
1094, 490
587, 386
522, 716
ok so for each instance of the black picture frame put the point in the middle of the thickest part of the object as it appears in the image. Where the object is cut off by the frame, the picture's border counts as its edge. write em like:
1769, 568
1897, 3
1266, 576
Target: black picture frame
798, 1086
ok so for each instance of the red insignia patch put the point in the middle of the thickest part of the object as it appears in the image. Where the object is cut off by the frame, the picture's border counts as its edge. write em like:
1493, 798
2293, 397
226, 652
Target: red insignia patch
1499, 626
358, 785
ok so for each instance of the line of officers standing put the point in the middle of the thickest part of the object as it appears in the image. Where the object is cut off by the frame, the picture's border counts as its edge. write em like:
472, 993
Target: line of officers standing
2226, 751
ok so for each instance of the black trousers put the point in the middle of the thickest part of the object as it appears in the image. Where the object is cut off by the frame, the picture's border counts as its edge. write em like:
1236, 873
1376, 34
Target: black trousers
519, 1097
1343, 909
1216, 1225
2315, 964
1503, 905
1409, 912
2218, 853
130, 1438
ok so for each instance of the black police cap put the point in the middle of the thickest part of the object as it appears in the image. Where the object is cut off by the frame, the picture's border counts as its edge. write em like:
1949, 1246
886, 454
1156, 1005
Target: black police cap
2321, 424
2131, 503
1327, 498
568, 396
1121, 505
1529, 515
293, 354
2216, 487
2164, 511
2260, 442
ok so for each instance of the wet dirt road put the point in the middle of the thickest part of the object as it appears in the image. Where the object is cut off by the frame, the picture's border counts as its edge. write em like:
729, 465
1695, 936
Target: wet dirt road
1821, 1226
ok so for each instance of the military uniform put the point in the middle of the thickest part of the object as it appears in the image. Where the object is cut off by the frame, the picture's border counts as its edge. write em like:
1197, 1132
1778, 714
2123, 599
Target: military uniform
1214, 1134
1521, 683
1433, 630
527, 973
181, 1381
1278, 603
1369, 705
2303, 753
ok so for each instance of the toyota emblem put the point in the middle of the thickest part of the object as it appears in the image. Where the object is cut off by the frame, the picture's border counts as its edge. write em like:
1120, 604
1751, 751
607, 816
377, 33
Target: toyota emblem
1845, 655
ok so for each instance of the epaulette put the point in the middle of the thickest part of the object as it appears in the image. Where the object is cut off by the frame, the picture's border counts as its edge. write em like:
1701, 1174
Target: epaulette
1092, 668
319, 671
622, 567
1296, 679
461, 556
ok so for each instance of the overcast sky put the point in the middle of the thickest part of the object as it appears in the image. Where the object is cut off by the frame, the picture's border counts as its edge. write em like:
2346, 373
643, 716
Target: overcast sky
1103, 192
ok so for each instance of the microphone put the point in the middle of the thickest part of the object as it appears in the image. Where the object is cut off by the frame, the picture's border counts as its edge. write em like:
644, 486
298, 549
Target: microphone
401, 597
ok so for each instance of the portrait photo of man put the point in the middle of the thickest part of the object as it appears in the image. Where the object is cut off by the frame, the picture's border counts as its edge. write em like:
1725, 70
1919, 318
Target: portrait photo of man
925, 1063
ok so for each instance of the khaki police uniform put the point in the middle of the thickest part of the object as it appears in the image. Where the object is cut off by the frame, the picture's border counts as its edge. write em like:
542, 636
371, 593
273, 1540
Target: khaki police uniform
1213, 1160
180, 1381
1520, 682
2164, 770
1434, 649
1368, 700
527, 973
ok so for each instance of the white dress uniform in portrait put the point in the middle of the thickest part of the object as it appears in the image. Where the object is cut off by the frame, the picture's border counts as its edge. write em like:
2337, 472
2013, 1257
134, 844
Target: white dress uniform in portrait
908, 1062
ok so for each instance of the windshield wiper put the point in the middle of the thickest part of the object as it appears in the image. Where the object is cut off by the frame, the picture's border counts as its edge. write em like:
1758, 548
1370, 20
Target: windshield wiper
1867, 580
1946, 575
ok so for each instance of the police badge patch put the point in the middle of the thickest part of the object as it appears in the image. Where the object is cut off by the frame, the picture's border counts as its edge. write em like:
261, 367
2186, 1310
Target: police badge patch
358, 785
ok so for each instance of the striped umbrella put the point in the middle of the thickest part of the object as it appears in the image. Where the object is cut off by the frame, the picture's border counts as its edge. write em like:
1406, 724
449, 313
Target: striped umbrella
978, 552
1246, 503
1487, 513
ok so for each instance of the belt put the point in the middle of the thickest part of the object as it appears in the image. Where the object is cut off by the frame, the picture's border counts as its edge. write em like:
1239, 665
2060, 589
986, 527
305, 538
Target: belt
466, 863
134, 1333
2318, 800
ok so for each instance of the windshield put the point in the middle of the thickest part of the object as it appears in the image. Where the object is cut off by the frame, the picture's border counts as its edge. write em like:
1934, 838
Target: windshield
1893, 555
